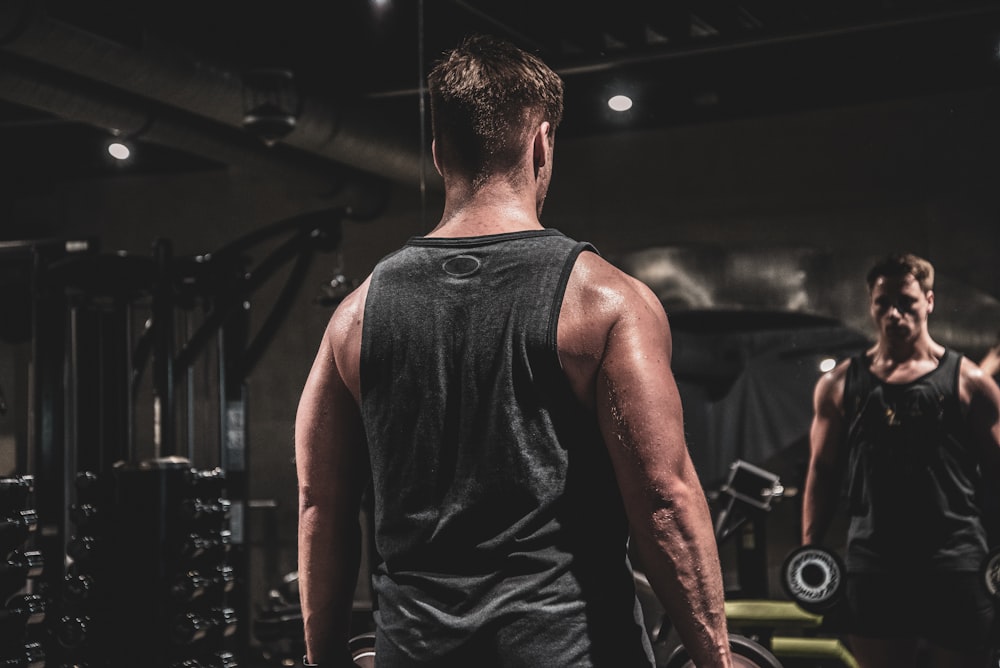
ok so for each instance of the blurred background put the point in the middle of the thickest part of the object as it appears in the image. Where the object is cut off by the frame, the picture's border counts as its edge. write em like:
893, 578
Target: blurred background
190, 188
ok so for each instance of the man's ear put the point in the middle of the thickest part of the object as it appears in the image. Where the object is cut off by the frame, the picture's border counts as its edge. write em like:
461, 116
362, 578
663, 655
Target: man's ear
434, 154
930, 301
541, 146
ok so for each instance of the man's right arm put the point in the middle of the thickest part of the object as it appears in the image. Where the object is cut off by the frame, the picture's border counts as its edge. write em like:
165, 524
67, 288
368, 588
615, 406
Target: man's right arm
827, 456
639, 411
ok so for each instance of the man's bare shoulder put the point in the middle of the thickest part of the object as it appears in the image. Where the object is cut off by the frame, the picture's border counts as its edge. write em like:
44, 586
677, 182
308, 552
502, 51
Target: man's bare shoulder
349, 314
601, 299
343, 336
974, 381
606, 292
971, 371
829, 393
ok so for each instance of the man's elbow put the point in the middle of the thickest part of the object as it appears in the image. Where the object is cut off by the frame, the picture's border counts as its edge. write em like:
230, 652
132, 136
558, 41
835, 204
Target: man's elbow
314, 501
325, 507
672, 514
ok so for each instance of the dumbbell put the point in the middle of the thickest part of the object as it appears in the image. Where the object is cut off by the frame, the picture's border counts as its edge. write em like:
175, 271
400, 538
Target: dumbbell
991, 573
746, 654
814, 578
363, 650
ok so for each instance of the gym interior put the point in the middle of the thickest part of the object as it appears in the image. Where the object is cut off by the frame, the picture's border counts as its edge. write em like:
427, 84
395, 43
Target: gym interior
191, 188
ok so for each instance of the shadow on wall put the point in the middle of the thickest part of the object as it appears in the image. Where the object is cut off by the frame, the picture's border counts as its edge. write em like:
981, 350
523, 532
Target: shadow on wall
746, 380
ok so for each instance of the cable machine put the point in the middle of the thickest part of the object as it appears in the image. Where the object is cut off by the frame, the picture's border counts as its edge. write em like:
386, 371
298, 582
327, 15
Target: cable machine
139, 531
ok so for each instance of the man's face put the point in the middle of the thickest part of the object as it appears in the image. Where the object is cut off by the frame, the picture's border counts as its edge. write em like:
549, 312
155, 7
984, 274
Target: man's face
899, 307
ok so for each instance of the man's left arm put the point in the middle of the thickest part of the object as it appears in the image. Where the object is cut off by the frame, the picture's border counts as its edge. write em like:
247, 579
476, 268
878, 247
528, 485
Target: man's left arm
983, 397
332, 466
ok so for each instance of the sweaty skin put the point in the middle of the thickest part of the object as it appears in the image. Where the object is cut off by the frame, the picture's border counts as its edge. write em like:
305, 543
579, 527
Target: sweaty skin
615, 345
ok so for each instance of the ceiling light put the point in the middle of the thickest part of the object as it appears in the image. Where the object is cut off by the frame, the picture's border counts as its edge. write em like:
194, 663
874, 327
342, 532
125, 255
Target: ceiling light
119, 150
620, 102
121, 143
827, 365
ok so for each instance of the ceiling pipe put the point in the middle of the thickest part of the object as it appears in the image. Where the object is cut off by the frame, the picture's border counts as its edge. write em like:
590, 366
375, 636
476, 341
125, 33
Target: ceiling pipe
349, 135
80, 101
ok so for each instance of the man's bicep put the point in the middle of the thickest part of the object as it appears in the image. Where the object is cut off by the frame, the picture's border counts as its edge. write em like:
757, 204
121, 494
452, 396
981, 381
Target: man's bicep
329, 437
985, 411
826, 433
639, 407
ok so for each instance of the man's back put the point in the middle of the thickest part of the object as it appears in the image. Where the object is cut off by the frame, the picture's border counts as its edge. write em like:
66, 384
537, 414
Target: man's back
495, 497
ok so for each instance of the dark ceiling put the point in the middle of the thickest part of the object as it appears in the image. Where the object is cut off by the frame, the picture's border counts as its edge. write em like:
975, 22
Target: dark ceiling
173, 74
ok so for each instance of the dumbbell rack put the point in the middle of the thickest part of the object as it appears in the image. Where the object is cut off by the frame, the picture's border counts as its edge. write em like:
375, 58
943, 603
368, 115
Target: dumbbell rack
148, 579
24, 610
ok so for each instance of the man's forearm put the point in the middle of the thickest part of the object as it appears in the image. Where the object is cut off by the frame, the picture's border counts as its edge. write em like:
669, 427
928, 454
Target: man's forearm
682, 562
328, 567
818, 506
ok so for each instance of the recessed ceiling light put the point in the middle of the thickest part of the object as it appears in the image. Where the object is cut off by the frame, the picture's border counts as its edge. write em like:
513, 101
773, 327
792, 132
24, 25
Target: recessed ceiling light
119, 151
620, 102
827, 365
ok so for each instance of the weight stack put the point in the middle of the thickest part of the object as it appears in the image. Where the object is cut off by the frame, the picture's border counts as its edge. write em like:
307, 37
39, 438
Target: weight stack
23, 612
149, 579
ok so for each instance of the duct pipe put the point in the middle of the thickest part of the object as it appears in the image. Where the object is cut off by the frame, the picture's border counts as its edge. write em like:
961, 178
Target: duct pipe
348, 135
70, 99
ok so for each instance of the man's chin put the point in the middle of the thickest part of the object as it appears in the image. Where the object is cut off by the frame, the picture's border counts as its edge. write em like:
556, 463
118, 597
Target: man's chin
897, 333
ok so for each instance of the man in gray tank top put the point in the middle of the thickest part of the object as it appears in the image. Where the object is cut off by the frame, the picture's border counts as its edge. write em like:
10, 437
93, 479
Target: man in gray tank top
508, 394
912, 427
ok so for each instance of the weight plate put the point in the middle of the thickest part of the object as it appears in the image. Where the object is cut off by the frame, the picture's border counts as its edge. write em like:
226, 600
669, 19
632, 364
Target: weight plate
746, 654
991, 573
813, 577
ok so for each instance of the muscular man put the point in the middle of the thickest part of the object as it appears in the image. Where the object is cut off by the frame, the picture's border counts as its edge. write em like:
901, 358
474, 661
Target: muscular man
509, 394
912, 425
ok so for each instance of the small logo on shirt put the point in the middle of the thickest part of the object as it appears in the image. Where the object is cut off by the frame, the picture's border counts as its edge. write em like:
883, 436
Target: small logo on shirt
461, 266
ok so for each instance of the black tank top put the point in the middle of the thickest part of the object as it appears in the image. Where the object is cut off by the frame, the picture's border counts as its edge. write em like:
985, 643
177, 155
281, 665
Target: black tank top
494, 494
913, 473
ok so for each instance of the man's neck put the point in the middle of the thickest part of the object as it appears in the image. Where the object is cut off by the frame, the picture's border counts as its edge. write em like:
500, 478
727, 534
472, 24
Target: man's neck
904, 361
888, 353
491, 210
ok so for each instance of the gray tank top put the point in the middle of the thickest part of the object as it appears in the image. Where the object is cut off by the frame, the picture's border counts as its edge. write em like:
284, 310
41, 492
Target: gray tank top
494, 494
